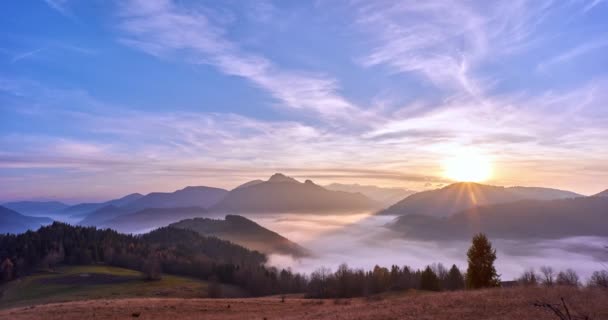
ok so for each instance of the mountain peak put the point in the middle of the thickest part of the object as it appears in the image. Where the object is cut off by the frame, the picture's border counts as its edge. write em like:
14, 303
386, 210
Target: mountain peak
279, 177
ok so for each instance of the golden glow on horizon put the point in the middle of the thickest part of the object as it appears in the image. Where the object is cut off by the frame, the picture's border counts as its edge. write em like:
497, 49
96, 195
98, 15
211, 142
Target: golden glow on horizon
468, 166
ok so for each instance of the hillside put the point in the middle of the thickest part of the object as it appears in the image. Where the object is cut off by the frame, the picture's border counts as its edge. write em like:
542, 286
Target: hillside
584, 216
36, 208
14, 222
385, 196
602, 194
189, 197
151, 218
509, 303
244, 232
283, 194
465, 195
203, 197
83, 209
73, 283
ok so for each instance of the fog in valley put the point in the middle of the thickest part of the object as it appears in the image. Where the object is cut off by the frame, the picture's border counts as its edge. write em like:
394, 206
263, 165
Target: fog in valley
362, 241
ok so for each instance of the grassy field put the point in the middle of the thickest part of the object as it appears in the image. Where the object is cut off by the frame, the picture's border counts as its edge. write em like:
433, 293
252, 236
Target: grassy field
99, 282
497, 304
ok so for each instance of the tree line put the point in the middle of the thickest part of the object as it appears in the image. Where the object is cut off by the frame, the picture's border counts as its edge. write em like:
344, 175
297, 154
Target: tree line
184, 252
168, 250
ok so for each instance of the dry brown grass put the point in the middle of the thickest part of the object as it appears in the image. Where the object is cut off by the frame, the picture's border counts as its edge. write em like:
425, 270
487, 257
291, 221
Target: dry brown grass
511, 303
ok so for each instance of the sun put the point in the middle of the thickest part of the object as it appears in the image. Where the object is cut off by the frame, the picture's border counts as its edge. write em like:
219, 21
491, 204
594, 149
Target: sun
468, 166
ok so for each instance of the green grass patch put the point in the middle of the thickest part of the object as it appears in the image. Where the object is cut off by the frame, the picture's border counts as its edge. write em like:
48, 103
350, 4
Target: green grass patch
70, 283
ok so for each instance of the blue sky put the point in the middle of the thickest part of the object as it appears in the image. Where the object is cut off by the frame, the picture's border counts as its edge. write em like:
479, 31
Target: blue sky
102, 98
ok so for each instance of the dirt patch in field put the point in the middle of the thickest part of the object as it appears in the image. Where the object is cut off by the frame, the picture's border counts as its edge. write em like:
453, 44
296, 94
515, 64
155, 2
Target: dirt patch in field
513, 303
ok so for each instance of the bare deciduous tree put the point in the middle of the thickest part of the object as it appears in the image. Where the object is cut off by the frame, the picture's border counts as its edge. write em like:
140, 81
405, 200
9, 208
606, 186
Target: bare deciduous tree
548, 276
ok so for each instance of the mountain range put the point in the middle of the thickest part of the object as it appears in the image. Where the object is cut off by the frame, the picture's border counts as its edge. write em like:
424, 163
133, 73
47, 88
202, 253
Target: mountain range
461, 196
189, 197
82, 209
36, 208
12, 221
244, 232
582, 216
602, 194
282, 194
148, 219
384, 196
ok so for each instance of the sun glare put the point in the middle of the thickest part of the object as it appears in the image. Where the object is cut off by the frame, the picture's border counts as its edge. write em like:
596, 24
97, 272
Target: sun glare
468, 166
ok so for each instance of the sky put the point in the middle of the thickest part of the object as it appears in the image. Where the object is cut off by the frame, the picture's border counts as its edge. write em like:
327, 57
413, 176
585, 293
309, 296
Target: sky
103, 98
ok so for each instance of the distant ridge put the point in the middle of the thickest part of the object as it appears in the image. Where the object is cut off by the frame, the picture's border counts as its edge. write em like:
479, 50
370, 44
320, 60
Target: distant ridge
244, 232
12, 221
199, 197
465, 195
284, 194
82, 209
151, 218
602, 194
384, 196
582, 216
36, 208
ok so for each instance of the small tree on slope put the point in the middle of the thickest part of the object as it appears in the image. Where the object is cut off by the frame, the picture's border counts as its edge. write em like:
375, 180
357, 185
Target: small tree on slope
481, 256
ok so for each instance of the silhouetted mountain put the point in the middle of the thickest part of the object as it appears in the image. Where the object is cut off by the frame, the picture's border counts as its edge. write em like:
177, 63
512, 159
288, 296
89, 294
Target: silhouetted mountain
82, 209
36, 208
200, 197
13, 222
602, 194
535, 193
203, 197
583, 216
151, 218
284, 194
244, 232
464, 195
384, 196
101, 215
451, 199
250, 183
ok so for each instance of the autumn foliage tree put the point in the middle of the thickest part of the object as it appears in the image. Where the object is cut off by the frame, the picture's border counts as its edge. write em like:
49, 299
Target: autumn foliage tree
481, 256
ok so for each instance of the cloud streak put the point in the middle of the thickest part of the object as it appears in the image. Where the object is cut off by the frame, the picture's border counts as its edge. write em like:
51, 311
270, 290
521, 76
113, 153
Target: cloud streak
162, 28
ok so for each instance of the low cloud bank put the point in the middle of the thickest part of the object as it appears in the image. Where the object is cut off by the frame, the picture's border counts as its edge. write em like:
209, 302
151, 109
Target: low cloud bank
361, 241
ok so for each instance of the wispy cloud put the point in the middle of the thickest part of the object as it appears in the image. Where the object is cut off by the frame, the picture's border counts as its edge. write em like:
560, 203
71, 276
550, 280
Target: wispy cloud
161, 28
26, 55
60, 6
573, 53
446, 41
591, 4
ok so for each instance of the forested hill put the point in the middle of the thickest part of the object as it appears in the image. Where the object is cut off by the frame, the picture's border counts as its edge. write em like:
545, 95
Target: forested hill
172, 250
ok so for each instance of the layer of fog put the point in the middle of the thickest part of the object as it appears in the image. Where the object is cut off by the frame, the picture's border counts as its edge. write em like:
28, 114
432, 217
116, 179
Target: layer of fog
361, 241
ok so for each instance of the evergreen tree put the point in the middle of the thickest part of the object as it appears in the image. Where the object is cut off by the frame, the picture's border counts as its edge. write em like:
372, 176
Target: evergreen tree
481, 272
429, 280
454, 280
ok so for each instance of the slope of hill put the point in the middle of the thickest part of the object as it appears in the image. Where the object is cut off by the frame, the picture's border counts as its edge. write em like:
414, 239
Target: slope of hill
82, 209
535, 193
151, 218
244, 232
13, 222
584, 216
203, 197
284, 194
384, 196
73, 283
200, 197
451, 199
36, 208
464, 195
602, 194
